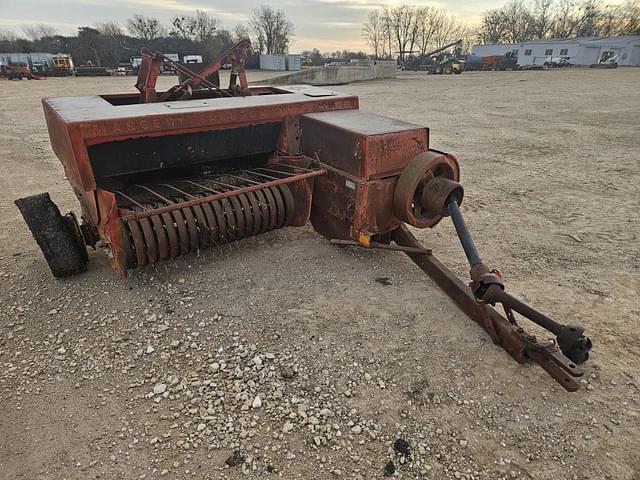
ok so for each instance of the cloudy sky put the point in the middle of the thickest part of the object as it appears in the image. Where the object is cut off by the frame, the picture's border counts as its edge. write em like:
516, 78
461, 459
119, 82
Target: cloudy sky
325, 24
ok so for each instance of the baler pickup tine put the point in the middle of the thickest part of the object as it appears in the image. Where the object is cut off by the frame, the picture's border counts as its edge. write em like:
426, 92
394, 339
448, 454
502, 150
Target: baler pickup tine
232, 187
177, 190
263, 175
201, 186
137, 204
153, 192
271, 170
243, 179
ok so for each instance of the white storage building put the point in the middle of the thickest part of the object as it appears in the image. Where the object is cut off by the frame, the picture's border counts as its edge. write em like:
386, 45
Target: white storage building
580, 51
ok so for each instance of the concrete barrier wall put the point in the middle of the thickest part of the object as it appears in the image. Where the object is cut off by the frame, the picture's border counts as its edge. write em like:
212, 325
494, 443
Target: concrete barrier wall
337, 74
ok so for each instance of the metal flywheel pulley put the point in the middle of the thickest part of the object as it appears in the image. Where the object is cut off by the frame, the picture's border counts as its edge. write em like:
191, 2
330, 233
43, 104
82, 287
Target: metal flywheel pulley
424, 186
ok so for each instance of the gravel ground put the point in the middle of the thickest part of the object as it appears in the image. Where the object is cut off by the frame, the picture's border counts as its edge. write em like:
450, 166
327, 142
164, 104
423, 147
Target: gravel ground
284, 356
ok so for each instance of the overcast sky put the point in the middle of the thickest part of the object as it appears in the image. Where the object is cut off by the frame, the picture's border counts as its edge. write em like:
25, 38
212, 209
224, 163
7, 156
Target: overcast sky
326, 24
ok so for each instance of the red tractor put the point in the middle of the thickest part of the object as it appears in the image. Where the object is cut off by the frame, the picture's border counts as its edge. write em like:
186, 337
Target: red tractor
16, 71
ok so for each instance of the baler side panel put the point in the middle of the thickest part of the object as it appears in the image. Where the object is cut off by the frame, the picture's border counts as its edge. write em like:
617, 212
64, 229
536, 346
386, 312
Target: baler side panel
364, 154
61, 143
101, 122
362, 144
147, 154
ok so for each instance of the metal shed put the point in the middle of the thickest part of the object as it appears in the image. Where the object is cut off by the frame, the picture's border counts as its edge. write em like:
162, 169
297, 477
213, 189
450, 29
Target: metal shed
273, 62
580, 51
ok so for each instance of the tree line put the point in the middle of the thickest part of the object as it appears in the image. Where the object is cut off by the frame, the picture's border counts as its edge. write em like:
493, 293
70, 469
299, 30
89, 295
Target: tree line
109, 43
404, 30
409, 30
390, 32
522, 21
315, 57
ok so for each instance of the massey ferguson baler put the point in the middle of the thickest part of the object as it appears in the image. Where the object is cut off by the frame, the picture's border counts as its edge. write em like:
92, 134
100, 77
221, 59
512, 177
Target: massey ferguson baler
165, 174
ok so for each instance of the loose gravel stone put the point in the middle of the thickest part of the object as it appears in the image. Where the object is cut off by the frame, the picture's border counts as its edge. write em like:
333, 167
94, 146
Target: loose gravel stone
159, 388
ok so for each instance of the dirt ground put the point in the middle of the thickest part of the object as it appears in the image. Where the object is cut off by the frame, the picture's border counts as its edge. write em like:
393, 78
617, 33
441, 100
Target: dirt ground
292, 353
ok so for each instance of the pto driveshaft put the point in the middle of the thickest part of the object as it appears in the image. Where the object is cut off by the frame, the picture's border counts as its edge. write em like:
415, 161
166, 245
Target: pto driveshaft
488, 287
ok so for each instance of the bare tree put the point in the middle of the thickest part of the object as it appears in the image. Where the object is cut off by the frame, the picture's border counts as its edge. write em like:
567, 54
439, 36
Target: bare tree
469, 37
493, 27
631, 18
204, 26
272, 29
611, 21
428, 21
513, 23
7, 35
542, 17
387, 33
408, 30
402, 23
38, 31
519, 23
181, 27
241, 31
448, 30
590, 15
373, 32
110, 29
145, 28
564, 22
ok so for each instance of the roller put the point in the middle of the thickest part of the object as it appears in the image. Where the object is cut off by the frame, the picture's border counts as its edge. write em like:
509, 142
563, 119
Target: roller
187, 229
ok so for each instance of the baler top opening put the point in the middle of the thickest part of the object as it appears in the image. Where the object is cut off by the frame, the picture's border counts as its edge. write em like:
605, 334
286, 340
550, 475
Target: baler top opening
120, 99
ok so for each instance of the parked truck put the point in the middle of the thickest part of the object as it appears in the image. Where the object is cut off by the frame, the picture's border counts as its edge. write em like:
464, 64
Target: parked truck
61, 66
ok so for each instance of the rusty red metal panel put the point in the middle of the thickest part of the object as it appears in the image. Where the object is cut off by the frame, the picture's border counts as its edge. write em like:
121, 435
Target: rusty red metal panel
345, 207
374, 209
92, 120
362, 144
334, 205
61, 142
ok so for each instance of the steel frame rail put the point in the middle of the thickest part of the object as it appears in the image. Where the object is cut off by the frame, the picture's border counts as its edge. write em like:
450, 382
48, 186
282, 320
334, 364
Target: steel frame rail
513, 338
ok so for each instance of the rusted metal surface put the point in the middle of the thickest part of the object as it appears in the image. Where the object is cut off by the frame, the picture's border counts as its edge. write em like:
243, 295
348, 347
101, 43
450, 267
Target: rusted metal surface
148, 75
237, 55
570, 338
333, 205
363, 154
411, 197
76, 123
152, 63
361, 144
185, 227
382, 246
